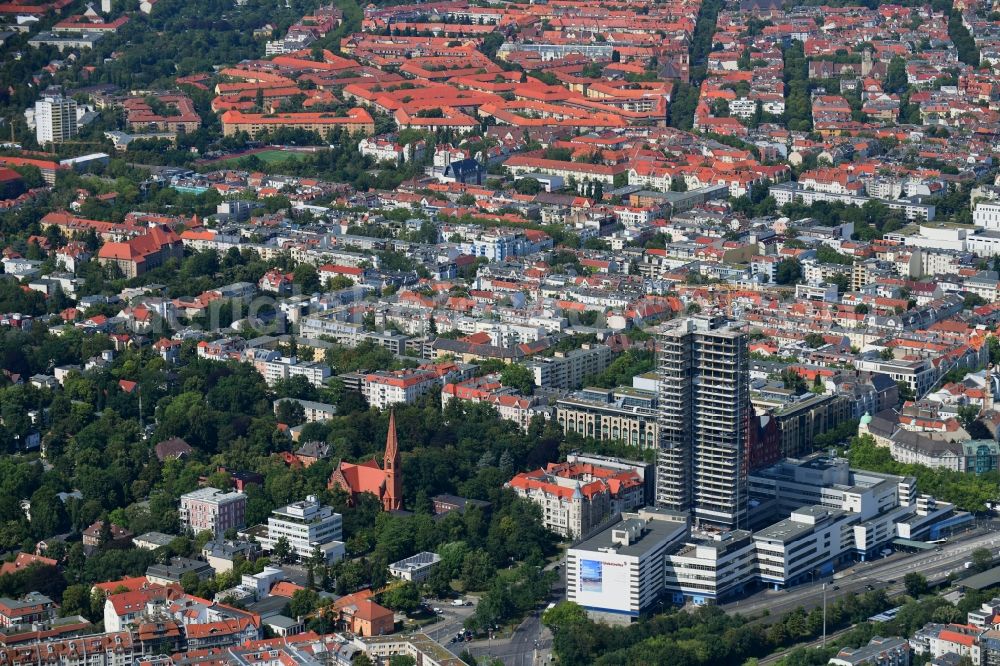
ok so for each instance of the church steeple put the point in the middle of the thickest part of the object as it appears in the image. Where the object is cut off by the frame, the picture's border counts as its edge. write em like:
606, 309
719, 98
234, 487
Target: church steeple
393, 498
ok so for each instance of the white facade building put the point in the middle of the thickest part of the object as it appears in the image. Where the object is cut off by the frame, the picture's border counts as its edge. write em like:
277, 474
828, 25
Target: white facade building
306, 525
986, 215
415, 568
274, 367
619, 572
55, 119
384, 389
712, 566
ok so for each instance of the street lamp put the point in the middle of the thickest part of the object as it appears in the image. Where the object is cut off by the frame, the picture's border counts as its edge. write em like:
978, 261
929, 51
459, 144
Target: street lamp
824, 614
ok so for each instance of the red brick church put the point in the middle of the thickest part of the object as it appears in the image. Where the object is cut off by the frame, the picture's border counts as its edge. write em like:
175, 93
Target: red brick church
385, 483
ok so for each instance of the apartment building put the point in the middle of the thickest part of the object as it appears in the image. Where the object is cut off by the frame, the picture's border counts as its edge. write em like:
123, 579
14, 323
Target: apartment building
819, 274
212, 510
892, 651
312, 411
420, 647
179, 114
508, 403
114, 648
801, 417
306, 525
126, 608
385, 388
645, 470
357, 121
33, 607
275, 367
704, 414
626, 414
55, 119
940, 451
619, 572
792, 191
989, 645
567, 370
918, 374
958, 639
499, 246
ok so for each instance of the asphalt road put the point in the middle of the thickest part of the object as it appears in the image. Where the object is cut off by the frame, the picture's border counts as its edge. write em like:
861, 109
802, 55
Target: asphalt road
452, 619
531, 642
934, 565
886, 573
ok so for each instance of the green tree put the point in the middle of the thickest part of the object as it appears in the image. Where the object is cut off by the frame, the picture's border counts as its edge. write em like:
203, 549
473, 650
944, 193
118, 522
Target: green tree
529, 186
190, 582
303, 602
973, 301
968, 415
476, 570
76, 601
814, 340
788, 271
896, 80
282, 551
793, 380
402, 660
48, 513
564, 614
338, 282
515, 375
916, 584
982, 559
290, 412
306, 277
404, 597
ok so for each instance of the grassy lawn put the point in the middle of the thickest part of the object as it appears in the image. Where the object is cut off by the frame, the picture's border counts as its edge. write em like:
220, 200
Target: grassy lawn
266, 156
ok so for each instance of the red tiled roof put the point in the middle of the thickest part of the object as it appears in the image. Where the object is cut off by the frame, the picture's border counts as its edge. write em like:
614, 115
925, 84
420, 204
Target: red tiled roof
230, 626
24, 560
285, 589
370, 611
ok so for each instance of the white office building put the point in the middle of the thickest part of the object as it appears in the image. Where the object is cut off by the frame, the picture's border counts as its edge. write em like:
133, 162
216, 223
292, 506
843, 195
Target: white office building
416, 567
306, 525
821, 479
619, 572
710, 566
815, 515
804, 545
